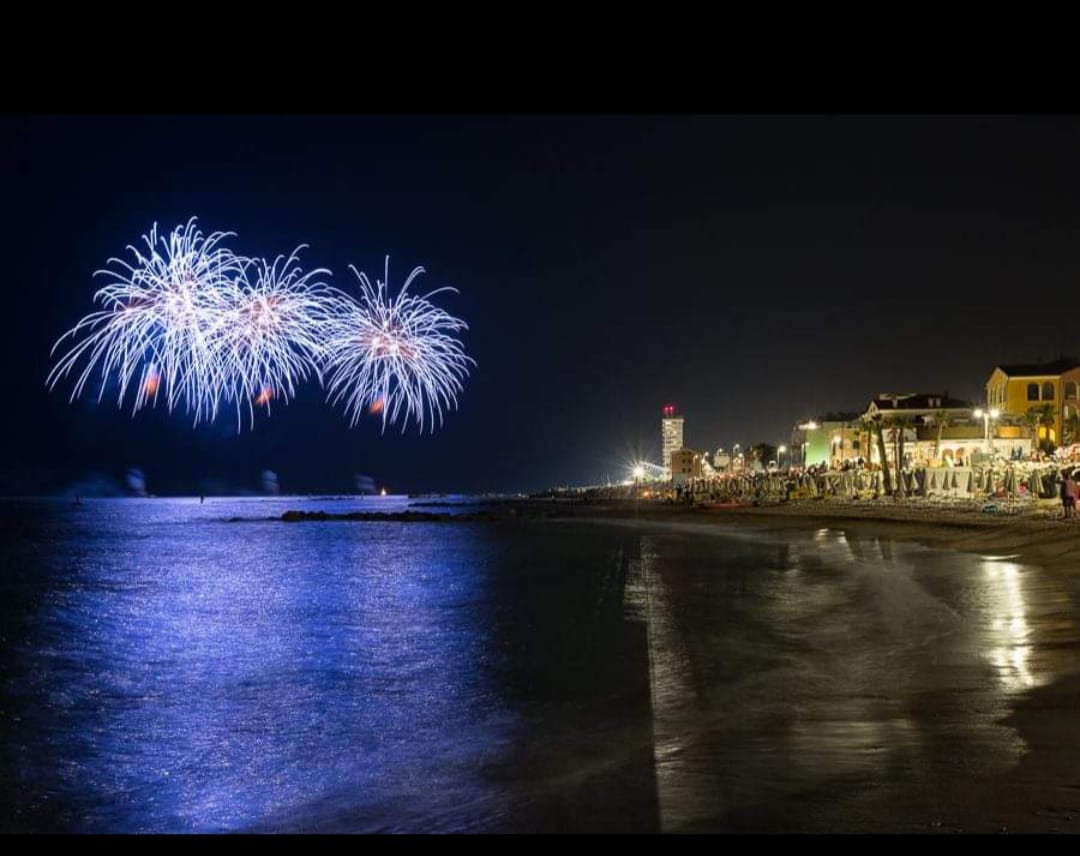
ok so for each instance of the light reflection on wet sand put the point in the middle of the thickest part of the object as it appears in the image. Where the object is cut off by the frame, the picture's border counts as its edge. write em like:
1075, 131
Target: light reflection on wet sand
535, 676
890, 672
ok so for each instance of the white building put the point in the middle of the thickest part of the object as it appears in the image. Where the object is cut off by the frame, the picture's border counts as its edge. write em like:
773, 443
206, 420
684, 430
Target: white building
671, 435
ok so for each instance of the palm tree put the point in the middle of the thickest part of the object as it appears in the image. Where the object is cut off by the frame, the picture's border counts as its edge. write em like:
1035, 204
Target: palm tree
899, 424
1070, 429
1047, 418
944, 420
874, 426
763, 452
1031, 420
1041, 417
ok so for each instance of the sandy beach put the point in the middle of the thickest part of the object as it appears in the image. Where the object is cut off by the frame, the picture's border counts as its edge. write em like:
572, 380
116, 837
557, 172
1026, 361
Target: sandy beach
1042, 792
1035, 536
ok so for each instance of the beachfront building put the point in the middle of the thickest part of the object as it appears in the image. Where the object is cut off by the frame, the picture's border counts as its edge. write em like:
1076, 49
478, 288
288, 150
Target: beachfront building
918, 416
671, 436
963, 440
1049, 392
939, 430
686, 464
830, 440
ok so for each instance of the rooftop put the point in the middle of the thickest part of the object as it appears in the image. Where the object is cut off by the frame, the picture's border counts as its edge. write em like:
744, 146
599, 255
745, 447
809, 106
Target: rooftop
919, 401
1056, 367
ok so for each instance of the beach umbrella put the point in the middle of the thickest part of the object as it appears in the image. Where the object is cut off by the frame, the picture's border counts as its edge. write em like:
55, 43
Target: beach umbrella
1035, 484
955, 484
989, 486
970, 488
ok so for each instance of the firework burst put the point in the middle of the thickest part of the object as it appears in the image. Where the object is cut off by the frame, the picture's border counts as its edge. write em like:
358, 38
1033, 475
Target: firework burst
395, 356
274, 334
194, 323
160, 320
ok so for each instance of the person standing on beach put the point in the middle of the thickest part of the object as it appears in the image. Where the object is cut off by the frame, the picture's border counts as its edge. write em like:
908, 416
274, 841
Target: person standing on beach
1070, 495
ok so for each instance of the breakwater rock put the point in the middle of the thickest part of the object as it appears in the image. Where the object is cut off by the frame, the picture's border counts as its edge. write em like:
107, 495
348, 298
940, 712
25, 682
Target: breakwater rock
394, 516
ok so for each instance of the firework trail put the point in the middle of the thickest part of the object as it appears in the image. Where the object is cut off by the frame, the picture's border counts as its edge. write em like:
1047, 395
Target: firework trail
397, 356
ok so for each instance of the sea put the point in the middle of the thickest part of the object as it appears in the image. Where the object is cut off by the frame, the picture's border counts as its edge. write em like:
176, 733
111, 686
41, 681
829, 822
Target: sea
177, 666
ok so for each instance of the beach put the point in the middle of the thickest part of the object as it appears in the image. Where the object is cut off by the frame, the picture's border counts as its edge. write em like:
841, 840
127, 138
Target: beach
1036, 535
1041, 793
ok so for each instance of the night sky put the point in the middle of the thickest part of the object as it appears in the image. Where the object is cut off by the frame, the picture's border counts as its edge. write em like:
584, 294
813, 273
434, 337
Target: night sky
754, 271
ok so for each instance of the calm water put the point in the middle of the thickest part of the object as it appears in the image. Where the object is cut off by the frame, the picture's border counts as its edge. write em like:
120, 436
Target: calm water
166, 670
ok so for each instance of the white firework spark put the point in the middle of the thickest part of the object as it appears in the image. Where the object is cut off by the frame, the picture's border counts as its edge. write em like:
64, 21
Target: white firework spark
202, 326
397, 356
161, 318
274, 334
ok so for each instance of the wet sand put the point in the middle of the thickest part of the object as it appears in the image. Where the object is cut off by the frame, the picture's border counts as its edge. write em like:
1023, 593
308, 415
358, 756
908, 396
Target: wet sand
1041, 794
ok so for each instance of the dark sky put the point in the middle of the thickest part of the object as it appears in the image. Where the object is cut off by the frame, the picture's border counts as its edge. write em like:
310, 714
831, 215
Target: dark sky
751, 270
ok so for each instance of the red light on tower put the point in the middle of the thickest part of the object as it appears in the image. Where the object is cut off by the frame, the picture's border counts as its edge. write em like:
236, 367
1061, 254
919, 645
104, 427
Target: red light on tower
669, 409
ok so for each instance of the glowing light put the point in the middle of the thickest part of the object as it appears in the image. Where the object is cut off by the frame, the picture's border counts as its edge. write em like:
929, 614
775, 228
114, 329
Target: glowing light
271, 336
400, 350
193, 320
639, 471
1011, 649
161, 319
382, 492
150, 385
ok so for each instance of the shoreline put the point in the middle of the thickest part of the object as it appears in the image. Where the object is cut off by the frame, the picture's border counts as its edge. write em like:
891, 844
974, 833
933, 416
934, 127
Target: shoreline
1040, 540
1041, 793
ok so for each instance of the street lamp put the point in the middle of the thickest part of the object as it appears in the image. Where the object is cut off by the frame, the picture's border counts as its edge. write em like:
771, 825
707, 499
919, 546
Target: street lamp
804, 427
734, 455
987, 415
780, 456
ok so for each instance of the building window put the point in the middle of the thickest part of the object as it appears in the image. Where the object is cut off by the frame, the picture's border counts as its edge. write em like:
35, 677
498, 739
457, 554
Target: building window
1033, 392
1070, 390
1048, 392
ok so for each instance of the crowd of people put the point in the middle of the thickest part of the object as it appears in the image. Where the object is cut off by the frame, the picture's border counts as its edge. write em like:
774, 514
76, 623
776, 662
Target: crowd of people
1000, 479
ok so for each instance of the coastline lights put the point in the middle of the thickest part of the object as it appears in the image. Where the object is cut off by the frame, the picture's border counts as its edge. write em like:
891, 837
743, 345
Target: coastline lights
195, 323
987, 415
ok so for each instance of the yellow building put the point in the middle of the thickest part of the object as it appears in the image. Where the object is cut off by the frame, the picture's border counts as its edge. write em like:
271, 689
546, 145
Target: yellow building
1018, 389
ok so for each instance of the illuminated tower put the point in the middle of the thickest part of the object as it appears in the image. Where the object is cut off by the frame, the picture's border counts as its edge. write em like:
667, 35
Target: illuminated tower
670, 435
